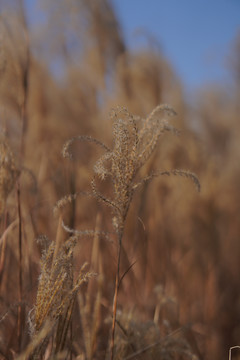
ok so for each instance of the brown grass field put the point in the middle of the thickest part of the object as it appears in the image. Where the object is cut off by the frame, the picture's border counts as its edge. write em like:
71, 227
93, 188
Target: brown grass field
107, 248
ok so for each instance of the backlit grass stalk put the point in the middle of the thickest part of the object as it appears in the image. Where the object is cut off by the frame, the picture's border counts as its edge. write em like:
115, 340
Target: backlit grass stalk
20, 296
134, 141
3, 246
56, 293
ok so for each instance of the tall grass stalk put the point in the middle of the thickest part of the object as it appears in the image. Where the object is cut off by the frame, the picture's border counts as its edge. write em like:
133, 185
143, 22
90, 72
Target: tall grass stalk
20, 268
134, 141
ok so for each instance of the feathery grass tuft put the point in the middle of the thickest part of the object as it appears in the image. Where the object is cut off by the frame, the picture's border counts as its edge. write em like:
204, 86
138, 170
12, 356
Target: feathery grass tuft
134, 141
56, 291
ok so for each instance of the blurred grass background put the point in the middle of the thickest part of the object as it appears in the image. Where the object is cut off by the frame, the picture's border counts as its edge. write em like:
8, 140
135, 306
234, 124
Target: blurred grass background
61, 80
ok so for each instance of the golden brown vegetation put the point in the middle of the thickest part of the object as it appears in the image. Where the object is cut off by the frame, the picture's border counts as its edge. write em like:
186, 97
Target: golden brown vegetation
177, 281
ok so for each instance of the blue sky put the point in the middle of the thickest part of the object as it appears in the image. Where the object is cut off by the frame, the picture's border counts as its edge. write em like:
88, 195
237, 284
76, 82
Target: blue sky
196, 36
